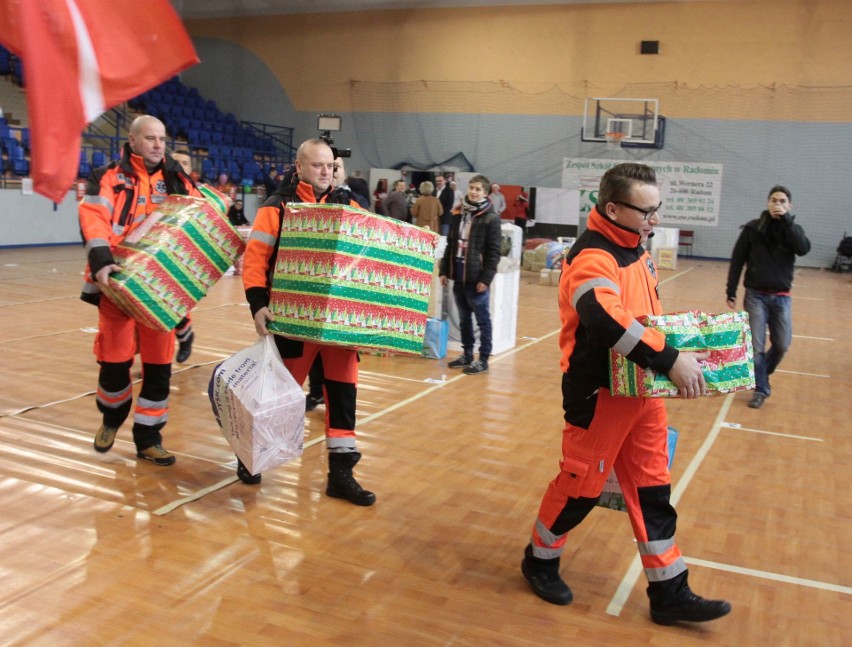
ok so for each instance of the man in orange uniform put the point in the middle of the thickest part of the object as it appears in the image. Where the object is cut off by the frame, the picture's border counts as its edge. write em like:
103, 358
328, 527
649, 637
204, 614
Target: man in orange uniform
118, 199
312, 183
608, 280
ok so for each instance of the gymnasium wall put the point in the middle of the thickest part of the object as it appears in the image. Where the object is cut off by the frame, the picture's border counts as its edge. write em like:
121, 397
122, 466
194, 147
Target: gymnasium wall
762, 87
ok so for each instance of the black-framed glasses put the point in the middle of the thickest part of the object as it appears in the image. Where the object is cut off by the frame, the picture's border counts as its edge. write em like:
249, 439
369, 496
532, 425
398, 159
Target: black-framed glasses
646, 213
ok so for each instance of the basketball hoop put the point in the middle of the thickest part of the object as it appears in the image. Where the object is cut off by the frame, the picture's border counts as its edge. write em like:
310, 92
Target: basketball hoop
613, 141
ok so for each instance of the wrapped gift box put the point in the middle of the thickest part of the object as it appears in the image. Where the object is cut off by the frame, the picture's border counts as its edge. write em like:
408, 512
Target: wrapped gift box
171, 260
727, 337
348, 277
612, 496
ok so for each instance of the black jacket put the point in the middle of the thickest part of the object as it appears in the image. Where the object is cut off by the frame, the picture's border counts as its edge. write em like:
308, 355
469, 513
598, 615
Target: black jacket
768, 248
483, 248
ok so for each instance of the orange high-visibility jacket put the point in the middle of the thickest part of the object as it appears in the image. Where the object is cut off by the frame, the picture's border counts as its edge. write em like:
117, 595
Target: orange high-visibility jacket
262, 246
608, 280
118, 198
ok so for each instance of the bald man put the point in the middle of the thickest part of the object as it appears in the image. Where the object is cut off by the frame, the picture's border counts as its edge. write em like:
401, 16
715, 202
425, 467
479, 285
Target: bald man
312, 183
119, 197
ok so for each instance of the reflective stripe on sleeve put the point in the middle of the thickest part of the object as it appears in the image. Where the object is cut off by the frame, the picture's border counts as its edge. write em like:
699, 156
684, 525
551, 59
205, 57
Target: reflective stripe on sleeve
96, 242
590, 285
98, 200
263, 237
629, 339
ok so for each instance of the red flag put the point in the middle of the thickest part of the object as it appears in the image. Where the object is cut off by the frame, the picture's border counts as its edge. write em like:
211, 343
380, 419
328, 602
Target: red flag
81, 58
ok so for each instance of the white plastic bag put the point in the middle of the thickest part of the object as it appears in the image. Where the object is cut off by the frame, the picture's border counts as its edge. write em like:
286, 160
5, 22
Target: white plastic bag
259, 406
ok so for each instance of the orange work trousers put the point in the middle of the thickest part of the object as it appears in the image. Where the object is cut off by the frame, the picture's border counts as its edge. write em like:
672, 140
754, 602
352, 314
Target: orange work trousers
630, 435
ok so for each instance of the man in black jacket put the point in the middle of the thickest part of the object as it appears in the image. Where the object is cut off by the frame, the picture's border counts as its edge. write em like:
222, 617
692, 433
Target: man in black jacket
768, 247
445, 194
470, 259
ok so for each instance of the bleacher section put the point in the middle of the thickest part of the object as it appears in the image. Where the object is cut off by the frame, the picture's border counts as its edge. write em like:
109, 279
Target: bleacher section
217, 141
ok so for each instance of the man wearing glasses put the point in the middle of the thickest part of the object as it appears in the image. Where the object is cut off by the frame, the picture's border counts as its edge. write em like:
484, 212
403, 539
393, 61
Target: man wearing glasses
608, 280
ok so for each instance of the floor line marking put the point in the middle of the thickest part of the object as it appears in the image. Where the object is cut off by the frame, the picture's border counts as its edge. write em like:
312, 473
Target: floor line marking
781, 370
776, 577
634, 571
194, 496
321, 438
813, 338
733, 425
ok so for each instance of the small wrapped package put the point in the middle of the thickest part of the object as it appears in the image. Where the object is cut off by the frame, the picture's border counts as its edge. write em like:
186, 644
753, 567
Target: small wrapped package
172, 260
348, 277
260, 408
612, 496
727, 337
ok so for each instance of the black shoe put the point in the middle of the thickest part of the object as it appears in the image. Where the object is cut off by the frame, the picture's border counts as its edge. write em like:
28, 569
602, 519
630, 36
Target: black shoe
341, 482
694, 609
312, 403
156, 454
756, 400
546, 582
185, 348
475, 368
459, 362
245, 476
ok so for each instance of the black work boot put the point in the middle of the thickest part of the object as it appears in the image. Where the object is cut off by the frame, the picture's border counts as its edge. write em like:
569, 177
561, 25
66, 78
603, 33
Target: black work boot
341, 482
544, 579
185, 347
673, 601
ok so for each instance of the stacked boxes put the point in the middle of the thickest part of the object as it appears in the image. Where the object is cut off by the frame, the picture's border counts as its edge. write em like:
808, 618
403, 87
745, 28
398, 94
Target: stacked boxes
727, 336
348, 277
171, 260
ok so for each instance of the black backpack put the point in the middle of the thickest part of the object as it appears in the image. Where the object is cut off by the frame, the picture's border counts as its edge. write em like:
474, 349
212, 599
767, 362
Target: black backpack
845, 246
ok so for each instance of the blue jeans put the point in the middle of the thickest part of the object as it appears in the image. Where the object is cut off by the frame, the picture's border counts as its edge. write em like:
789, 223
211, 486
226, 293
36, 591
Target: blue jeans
775, 312
471, 303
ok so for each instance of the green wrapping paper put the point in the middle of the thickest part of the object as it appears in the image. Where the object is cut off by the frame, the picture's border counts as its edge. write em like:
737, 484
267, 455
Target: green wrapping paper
171, 261
348, 277
727, 337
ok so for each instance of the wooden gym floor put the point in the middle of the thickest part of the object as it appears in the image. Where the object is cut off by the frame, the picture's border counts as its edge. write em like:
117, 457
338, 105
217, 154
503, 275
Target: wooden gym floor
108, 550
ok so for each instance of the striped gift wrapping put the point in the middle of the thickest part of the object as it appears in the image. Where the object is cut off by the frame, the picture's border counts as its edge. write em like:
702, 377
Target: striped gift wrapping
726, 336
348, 277
172, 260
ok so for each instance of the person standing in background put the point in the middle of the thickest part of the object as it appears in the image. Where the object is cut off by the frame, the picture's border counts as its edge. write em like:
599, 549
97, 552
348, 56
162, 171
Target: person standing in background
768, 247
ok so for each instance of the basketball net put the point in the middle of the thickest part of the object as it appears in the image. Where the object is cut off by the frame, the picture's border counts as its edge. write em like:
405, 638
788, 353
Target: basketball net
613, 141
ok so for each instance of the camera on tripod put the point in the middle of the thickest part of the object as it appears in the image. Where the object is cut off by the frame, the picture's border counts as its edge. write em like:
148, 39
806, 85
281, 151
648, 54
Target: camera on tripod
328, 124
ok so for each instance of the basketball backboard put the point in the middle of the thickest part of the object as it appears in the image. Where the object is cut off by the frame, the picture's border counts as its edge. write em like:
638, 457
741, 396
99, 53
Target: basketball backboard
637, 121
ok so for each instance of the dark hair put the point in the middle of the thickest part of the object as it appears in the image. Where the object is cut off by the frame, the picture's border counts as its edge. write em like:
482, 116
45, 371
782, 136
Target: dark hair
484, 181
617, 182
780, 189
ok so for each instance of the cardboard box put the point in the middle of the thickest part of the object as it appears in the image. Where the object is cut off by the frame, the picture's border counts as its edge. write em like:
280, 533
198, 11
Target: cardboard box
727, 336
349, 277
172, 260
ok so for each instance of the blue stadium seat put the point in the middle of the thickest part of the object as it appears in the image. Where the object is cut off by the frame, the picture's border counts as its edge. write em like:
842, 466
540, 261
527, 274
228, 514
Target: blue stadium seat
20, 167
98, 159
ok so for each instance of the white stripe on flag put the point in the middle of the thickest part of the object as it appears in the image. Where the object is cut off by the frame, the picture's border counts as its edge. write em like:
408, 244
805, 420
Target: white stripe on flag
91, 92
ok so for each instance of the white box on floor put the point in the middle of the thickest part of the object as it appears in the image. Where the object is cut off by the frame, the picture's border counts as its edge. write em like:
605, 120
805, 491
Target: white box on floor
503, 306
